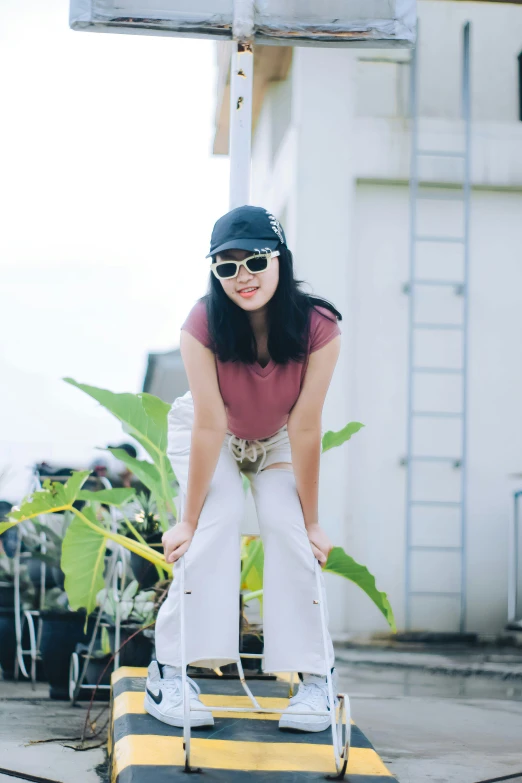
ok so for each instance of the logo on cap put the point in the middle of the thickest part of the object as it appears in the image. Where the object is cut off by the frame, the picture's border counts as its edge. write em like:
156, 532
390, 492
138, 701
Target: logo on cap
276, 227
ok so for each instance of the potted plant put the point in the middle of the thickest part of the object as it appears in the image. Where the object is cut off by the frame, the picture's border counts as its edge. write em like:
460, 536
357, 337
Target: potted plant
136, 610
143, 511
62, 630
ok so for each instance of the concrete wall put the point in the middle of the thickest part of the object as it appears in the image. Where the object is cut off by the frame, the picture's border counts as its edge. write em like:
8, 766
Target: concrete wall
331, 158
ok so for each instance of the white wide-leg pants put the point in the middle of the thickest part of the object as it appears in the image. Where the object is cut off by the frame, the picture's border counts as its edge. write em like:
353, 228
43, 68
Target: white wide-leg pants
291, 620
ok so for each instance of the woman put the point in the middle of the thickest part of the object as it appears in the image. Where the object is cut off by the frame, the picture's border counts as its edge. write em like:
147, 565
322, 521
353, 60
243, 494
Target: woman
259, 356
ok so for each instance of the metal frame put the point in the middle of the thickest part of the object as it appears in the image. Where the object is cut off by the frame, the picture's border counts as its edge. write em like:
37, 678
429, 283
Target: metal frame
116, 577
415, 365
340, 725
28, 616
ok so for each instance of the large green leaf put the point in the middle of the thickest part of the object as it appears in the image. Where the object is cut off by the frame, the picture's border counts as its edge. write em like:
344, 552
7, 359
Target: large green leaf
143, 416
82, 562
149, 475
342, 564
54, 497
252, 570
332, 439
112, 497
145, 471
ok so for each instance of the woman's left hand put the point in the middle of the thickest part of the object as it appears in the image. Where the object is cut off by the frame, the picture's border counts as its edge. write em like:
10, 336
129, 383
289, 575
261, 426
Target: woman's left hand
320, 543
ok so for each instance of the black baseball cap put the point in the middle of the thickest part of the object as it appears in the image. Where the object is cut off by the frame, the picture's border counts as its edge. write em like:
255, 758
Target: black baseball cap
246, 228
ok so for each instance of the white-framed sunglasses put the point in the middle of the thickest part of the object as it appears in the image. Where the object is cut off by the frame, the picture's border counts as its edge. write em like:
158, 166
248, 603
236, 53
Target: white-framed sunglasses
259, 262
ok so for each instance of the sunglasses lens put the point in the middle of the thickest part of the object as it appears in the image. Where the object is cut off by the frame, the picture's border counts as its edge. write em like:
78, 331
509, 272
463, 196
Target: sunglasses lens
226, 270
258, 264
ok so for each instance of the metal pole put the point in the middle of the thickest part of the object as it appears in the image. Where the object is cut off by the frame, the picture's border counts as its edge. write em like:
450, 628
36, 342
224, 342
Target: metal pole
466, 115
241, 73
411, 313
241, 79
513, 564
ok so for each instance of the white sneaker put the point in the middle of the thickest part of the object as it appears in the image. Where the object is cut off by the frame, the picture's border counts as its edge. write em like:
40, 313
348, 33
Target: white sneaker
164, 701
312, 695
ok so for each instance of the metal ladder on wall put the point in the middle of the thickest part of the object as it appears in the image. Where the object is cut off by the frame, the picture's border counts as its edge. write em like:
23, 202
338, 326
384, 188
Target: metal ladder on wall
430, 556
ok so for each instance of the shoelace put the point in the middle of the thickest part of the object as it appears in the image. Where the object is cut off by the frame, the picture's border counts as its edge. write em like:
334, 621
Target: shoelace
174, 684
309, 693
239, 449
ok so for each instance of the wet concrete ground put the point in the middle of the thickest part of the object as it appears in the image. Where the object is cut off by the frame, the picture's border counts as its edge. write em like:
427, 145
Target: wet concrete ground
27, 715
428, 727
438, 728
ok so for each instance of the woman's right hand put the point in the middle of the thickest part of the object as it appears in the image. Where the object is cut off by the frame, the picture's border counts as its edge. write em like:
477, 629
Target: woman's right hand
177, 540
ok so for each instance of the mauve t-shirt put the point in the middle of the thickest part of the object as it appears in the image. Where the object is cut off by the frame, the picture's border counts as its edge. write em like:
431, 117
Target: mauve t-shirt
259, 399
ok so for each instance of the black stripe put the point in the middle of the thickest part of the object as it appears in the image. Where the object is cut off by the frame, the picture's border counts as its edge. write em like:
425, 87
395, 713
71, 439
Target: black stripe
160, 774
231, 687
242, 730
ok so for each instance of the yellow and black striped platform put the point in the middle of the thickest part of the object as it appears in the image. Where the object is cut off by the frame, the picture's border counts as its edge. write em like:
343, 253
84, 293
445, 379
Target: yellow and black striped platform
143, 749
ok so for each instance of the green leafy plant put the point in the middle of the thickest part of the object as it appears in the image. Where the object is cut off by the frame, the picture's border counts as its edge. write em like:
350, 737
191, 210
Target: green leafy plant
51, 551
85, 542
134, 606
145, 418
144, 513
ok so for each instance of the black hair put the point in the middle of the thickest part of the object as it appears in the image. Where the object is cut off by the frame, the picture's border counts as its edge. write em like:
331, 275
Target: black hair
231, 335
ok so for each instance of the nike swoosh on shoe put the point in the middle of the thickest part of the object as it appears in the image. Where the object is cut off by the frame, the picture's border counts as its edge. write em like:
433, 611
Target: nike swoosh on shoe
155, 697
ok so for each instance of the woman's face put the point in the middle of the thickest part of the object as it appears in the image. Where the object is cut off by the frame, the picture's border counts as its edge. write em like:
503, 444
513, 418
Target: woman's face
265, 282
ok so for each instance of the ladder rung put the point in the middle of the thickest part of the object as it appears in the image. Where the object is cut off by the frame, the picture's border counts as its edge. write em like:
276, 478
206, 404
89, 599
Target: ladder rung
435, 196
441, 154
439, 414
442, 370
451, 283
426, 458
435, 593
443, 503
436, 548
427, 238
447, 327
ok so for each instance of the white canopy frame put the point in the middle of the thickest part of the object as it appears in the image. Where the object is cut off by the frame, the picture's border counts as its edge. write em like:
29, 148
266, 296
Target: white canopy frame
354, 23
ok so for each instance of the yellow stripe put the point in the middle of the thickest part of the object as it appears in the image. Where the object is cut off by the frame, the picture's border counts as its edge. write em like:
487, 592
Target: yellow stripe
131, 703
128, 671
248, 756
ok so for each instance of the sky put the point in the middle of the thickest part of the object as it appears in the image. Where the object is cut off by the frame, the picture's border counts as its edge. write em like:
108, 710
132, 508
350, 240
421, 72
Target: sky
108, 194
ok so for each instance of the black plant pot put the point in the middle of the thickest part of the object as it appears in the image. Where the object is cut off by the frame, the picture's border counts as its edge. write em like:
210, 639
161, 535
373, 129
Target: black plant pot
54, 576
7, 643
61, 632
136, 652
253, 644
145, 572
8, 646
6, 595
98, 672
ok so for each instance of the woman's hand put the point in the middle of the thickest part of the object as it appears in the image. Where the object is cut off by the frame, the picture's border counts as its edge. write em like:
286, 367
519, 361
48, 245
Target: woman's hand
177, 540
320, 543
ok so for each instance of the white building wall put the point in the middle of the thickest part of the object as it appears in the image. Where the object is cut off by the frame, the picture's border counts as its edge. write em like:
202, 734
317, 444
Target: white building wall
338, 180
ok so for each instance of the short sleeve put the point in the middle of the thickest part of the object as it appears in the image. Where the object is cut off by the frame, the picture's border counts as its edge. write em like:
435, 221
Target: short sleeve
196, 323
322, 329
